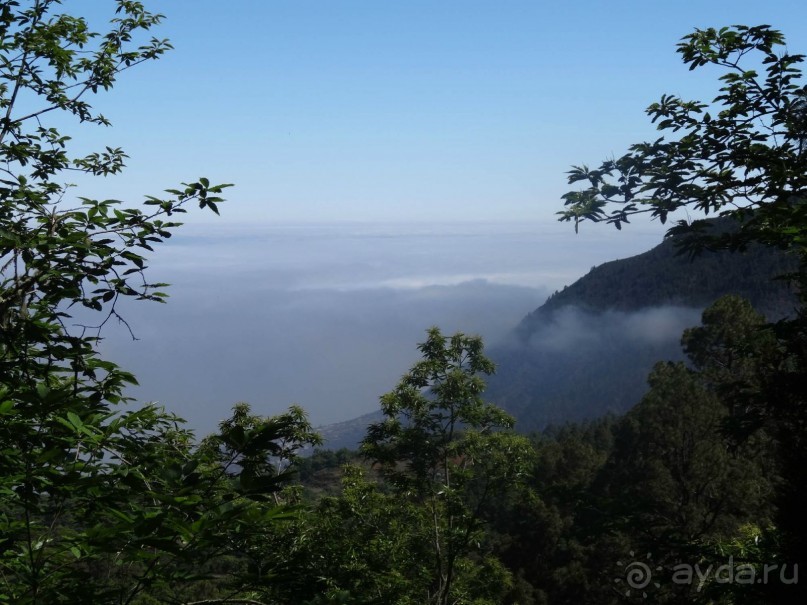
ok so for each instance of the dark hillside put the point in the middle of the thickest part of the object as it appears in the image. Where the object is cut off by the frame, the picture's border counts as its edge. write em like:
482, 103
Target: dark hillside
661, 277
587, 351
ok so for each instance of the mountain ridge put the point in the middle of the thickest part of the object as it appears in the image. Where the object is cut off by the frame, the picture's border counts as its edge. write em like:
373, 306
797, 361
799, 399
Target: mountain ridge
587, 350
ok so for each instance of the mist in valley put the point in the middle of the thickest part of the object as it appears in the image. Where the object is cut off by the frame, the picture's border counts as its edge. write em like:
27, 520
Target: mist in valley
329, 316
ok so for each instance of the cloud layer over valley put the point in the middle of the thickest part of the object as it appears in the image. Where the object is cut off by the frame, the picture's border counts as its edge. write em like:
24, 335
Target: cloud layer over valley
329, 316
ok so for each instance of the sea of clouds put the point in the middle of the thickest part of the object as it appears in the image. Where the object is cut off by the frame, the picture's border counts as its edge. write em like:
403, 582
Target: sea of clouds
329, 316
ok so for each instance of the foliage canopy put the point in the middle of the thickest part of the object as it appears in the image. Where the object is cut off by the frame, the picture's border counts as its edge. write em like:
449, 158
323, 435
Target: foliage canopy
98, 504
743, 155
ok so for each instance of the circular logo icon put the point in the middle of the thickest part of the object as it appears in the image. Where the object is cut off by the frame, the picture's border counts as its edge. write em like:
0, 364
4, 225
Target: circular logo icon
637, 576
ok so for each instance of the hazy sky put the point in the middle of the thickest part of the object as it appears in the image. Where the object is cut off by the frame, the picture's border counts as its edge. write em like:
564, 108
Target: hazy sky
403, 110
414, 125
329, 316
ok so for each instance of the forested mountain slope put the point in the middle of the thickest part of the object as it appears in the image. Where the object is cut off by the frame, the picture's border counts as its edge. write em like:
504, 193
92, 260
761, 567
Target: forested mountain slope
587, 351
663, 276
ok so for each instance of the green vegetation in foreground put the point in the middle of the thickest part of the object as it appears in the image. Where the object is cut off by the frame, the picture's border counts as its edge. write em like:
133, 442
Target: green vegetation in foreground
102, 503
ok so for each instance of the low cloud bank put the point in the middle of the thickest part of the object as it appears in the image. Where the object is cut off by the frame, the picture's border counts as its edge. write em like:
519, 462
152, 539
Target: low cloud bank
333, 352
580, 364
329, 316
571, 328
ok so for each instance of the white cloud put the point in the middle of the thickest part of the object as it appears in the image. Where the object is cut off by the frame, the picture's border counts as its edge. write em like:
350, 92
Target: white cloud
327, 316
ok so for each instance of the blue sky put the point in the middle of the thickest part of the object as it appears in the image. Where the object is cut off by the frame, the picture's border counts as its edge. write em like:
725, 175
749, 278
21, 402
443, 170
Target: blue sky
391, 110
408, 116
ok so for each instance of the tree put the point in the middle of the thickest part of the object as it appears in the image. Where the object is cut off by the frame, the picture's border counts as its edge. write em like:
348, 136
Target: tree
362, 545
733, 350
99, 504
677, 472
441, 445
545, 536
743, 156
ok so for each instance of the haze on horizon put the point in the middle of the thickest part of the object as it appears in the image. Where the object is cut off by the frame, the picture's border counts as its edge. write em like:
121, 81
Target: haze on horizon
329, 316
354, 131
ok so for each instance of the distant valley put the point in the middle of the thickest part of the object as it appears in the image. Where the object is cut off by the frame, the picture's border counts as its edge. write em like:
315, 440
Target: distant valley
588, 349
